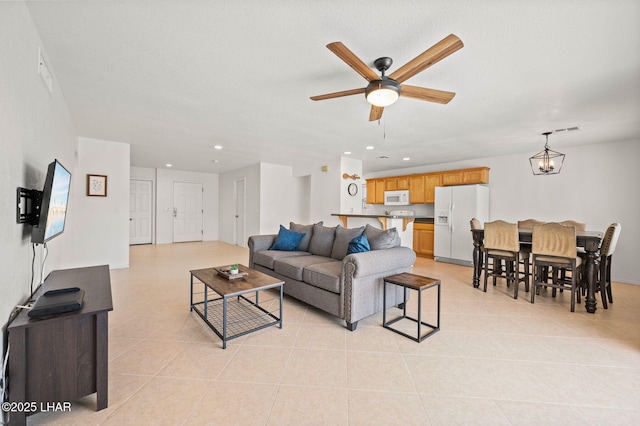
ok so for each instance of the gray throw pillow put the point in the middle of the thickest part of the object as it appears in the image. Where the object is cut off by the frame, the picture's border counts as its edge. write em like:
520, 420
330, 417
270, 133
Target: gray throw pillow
321, 242
379, 239
341, 242
304, 229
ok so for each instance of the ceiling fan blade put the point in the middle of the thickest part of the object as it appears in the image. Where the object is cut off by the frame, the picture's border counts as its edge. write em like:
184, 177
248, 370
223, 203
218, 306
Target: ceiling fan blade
435, 53
338, 94
424, 94
376, 113
352, 60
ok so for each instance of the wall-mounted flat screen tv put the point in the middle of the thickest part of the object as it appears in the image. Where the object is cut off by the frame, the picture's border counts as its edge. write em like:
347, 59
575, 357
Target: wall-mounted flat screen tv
53, 207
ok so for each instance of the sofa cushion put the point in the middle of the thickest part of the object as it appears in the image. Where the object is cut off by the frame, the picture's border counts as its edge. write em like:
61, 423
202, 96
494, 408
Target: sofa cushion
266, 258
324, 275
292, 267
359, 245
321, 242
379, 239
307, 230
286, 240
342, 239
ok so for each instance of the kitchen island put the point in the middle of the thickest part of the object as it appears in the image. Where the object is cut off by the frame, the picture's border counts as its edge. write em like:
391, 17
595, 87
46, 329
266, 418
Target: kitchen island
403, 223
382, 218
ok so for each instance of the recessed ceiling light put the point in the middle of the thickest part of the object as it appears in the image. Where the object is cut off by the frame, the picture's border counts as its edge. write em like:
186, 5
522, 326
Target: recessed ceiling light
217, 147
169, 165
370, 147
406, 159
215, 161
347, 152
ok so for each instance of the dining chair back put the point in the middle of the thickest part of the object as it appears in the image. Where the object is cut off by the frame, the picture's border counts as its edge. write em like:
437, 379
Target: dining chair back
501, 244
578, 225
608, 247
554, 245
528, 223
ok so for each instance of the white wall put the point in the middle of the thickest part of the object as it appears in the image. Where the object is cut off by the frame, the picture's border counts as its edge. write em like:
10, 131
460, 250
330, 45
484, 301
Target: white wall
599, 185
101, 231
279, 203
325, 192
348, 203
164, 202
35, 128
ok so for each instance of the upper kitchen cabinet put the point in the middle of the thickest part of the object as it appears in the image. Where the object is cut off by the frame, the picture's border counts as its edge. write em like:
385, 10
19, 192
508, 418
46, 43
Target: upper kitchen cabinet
375, 191
477, 175
431, 180
416, 189
422, 187
396, 183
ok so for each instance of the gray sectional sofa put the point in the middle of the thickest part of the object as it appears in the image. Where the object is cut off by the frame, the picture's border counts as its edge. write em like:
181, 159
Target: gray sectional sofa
321, 273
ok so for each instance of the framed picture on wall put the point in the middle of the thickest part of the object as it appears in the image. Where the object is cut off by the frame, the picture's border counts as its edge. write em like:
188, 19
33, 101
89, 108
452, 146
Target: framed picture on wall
96, 186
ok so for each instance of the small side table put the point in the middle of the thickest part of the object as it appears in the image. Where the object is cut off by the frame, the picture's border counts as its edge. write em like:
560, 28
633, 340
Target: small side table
411, 282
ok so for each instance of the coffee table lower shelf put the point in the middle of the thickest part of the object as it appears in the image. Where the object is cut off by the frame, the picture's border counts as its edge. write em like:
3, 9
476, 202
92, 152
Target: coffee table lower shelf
242, 316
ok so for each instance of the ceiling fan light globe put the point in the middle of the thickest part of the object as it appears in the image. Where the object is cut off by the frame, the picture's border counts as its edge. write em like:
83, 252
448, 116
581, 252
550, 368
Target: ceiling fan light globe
382, 93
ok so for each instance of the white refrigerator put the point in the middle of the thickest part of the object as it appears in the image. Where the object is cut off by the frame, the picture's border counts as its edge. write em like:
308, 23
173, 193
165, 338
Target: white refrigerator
455, 206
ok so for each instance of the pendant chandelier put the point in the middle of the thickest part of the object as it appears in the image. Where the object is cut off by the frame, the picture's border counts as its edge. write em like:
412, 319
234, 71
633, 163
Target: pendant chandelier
548, 161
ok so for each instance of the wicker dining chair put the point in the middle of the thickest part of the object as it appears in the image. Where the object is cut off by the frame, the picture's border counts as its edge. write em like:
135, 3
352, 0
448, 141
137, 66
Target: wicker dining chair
607, 248
554, 246
501, 245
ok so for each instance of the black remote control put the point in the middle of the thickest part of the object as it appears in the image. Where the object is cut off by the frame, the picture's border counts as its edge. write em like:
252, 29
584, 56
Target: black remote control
61, 290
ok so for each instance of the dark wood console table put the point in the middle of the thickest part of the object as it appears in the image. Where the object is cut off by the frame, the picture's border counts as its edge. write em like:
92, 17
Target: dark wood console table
62, 358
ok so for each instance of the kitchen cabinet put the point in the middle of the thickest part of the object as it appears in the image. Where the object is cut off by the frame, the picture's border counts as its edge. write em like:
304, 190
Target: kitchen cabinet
476, 175
416, 189
452, 177
422, 187
375, 191
423, 239
431, 180
396, 183
402, 182
390, 184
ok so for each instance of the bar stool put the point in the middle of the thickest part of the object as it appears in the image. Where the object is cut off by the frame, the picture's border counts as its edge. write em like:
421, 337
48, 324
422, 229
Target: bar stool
501, 244
554, 245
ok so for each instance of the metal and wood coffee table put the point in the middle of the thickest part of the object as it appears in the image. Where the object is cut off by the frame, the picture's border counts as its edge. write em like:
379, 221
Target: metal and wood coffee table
236, 308
412, 282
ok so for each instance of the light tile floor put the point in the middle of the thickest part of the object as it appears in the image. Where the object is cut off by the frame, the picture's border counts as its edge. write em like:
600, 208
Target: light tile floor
495, 361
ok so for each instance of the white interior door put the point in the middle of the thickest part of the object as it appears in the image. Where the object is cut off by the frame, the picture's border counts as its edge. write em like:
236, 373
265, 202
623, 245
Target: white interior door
240, 213
140, 212
187, 212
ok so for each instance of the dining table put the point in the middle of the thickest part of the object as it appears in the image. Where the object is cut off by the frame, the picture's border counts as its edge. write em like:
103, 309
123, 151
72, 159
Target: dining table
588, 240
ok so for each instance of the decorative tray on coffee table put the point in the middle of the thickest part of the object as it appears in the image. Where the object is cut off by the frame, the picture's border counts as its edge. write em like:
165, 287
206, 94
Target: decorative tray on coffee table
224, 271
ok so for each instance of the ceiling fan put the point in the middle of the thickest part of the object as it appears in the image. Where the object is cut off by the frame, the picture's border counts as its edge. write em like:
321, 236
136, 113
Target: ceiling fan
384, 90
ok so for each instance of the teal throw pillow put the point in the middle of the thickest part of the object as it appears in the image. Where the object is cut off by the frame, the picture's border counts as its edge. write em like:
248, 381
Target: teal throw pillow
358, 245
287, 240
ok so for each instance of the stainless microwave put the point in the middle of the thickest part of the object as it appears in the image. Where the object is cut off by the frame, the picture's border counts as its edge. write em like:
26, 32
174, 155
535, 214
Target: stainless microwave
396, 198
